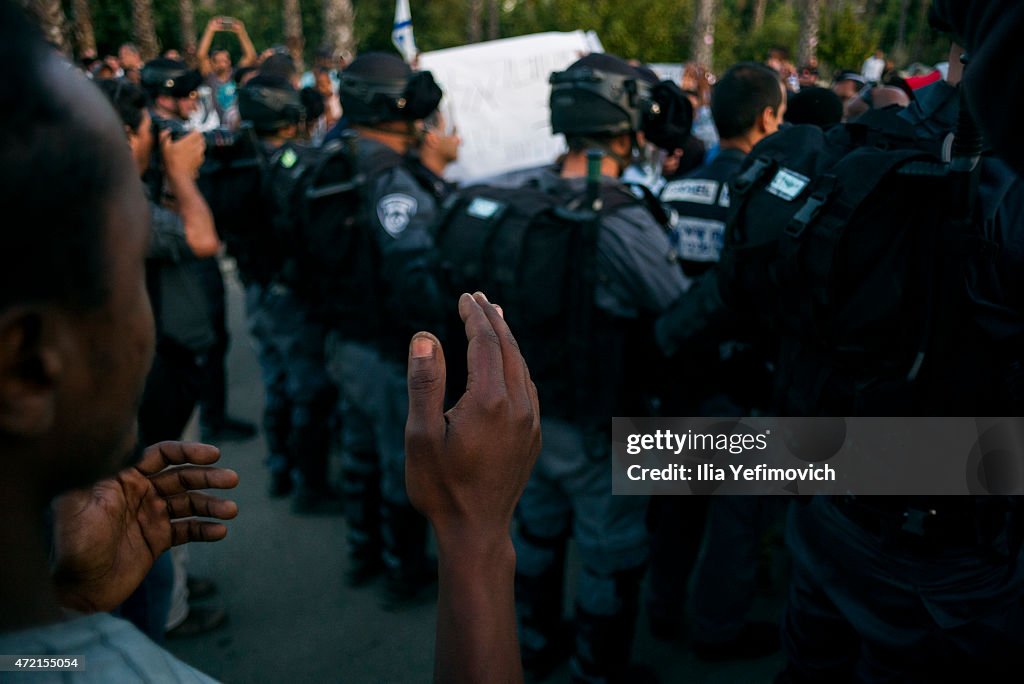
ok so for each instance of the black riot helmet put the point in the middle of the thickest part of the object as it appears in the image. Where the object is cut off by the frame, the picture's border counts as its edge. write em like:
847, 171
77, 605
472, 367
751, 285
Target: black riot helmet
270, 103
602, 95
598, 95
379, 87
162, 76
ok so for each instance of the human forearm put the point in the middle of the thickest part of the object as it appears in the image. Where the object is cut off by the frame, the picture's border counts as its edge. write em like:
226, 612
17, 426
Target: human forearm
196, 215
203, 50
249, 55
476, 619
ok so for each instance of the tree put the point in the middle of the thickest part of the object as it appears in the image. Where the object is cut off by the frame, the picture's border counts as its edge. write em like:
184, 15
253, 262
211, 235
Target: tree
187, 15
85, 36
759, 9
293, 37
845, 41
493, 19
339, 24
809, 27
143, 29
475, 21
52, 21
921, 28
702, 43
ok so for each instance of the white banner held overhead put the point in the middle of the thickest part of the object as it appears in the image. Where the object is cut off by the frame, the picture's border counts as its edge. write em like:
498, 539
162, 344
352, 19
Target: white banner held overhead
401, 31
498, 93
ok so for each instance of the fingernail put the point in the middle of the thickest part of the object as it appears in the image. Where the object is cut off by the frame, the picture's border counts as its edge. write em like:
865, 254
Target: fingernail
482, 295
422, 348
501, 312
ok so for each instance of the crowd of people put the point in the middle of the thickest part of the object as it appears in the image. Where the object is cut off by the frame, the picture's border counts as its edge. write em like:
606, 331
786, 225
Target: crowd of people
645, 272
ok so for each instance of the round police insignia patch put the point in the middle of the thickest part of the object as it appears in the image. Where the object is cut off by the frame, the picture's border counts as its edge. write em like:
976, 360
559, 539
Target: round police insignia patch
395, 211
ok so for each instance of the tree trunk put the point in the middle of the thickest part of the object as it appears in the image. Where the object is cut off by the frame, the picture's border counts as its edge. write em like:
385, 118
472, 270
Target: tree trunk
52, 21
143, 29
809, 26
493, 19
475, 21
702, 43
85, 37
901, 31
339, 20
921, 28
759, 9
187, 14
293, 31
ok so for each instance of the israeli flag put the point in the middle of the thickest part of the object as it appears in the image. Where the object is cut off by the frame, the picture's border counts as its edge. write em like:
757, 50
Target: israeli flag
401, 33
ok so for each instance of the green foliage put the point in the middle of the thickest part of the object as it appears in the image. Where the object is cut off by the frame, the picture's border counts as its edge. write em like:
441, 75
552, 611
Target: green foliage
845, 41
735, 42
649, 30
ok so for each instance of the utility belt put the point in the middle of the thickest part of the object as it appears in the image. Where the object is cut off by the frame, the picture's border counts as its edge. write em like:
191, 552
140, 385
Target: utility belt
934, 527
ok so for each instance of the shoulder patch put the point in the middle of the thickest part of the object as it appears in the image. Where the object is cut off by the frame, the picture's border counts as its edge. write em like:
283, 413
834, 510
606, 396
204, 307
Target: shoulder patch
395, 211
788, 184
288, 158
694, 190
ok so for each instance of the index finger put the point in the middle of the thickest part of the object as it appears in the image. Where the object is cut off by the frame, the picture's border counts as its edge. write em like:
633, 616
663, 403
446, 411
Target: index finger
159, 456
485, 378
513, 365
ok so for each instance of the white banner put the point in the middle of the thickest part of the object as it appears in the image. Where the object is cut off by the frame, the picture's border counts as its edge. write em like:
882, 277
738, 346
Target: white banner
497, 93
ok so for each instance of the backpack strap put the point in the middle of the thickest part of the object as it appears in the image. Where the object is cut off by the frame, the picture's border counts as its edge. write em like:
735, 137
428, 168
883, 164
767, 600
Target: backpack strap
334, 148
653, 204
757, 174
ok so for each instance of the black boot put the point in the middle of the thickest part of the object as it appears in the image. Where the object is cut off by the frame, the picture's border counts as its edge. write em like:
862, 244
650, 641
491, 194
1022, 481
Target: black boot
604, 643
409, 572
309, 445
361, 493
277, 428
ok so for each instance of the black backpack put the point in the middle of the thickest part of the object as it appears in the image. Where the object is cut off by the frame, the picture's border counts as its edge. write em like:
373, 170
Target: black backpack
231, 181
850, 245
318, 205
533, 254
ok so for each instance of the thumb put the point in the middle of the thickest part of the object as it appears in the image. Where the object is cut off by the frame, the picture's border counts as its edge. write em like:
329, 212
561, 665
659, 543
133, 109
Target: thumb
426, 381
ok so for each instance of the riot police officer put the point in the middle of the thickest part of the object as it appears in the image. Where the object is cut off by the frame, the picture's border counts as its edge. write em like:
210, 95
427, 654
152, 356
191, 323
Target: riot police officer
598, 103
298, 396
384, 103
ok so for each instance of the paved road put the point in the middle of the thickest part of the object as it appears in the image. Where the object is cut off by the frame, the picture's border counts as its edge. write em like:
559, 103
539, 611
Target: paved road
291, 619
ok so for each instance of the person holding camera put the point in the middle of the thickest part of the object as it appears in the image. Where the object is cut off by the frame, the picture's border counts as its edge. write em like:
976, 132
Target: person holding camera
172, 88
216, 68
182, 231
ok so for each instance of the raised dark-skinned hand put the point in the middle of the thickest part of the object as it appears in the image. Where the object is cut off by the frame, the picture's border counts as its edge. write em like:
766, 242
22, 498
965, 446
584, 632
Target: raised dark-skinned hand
465, 471
107, 538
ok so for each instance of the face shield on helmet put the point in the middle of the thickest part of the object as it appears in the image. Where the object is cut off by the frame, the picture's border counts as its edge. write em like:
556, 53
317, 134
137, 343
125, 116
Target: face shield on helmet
587, 101
169, 77
270, 109
593, 102
369, 100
